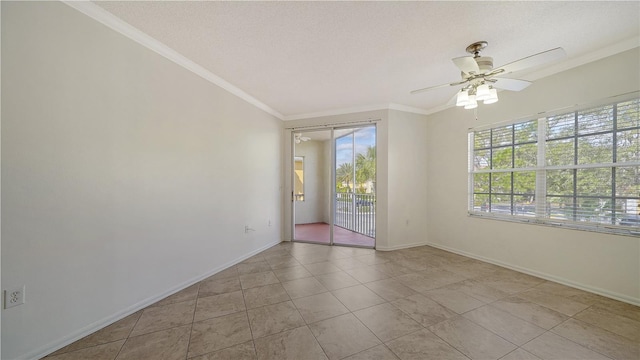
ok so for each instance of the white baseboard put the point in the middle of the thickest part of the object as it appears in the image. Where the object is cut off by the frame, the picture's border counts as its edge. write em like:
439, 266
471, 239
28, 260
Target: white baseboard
95, 326
402, 246
558, 279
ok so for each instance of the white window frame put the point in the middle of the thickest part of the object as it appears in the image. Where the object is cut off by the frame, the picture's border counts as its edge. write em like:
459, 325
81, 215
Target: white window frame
541, 169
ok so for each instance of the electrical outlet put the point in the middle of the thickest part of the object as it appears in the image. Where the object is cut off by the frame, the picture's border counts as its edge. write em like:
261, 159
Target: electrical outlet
269, 223
14, 297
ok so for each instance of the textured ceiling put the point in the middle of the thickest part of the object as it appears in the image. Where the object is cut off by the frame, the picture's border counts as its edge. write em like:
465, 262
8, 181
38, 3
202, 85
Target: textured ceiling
311, 57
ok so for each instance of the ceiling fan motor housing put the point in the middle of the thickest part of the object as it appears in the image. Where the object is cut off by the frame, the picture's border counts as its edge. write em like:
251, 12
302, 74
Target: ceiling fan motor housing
485, 63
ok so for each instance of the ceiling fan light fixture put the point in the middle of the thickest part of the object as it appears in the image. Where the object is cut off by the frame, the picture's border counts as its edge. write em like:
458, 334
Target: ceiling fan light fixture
463, 98
493, 97
472, 102
482, 92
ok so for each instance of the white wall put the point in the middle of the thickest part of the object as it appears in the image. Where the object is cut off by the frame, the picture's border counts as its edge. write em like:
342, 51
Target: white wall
604, 263
313, 208
124, 176
407, 176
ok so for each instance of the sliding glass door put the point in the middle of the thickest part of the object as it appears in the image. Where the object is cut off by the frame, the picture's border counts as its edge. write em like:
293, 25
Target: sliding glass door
334, 186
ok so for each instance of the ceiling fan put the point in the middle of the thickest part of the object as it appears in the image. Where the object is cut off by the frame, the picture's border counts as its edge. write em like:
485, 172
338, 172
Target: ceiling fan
480, 80
298, 138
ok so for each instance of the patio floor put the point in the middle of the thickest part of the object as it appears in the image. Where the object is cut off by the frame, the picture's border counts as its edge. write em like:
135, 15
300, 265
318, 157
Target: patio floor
319, 232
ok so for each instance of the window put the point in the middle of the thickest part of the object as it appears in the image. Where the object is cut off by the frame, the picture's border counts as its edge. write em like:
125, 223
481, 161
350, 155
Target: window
298, 169
579, 169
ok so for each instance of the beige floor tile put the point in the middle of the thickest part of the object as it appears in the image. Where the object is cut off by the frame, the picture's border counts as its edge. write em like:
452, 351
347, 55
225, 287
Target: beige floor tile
265, 295
228, 273
550, 346
554, 302
367, 274
251, 280
337, 280
508, 284
618, 307
244, 351
620, 325
471, 339
390, 289
348, 263
504, 324
170, 344
292, 273
387, 322
380, 352
423, 345
282, 262
321, 268
519, 354
254, 267
357, 297
219, 333
441, 277
418, 282
164, 317
569, 293
342, 336
254, 259
599, 340
219, 305
190, 293
298, 343
415, 264
423, 310
219, 286
99, 352
303, 287
528, 311
478, 290
319, 307
117, 331
455, 300
372, 259
393, 268
272, 319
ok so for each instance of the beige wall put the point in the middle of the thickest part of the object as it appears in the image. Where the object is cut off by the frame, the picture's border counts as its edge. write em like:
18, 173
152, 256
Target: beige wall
599, 262
124, 176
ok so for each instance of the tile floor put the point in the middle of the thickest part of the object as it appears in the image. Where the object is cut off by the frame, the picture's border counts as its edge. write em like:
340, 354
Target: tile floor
304, 301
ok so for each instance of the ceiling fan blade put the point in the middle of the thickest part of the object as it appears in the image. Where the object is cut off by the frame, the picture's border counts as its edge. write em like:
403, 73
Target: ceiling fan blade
438, 87
531, 61
467, 64
510, 84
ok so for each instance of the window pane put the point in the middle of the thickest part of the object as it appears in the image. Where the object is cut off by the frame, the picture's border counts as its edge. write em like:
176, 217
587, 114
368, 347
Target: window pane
595, 120
480, 202
560, 152
501, 183
560, 182
526, 132
629, 114
481, 183
502, 135
597, 210
524, 182
481, 159
524, 206
560, 126
560, 208
526, 155
628, 181
502, 158
627, 212
628, 146
592, 182
501, 204
482, 139
595, 149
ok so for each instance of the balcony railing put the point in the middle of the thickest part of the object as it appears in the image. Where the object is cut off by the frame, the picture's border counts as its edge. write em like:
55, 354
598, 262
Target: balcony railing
356, 212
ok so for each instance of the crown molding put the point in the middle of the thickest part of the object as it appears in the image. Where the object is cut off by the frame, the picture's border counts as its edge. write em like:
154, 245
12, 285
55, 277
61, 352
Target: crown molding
357, 109
115, 23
